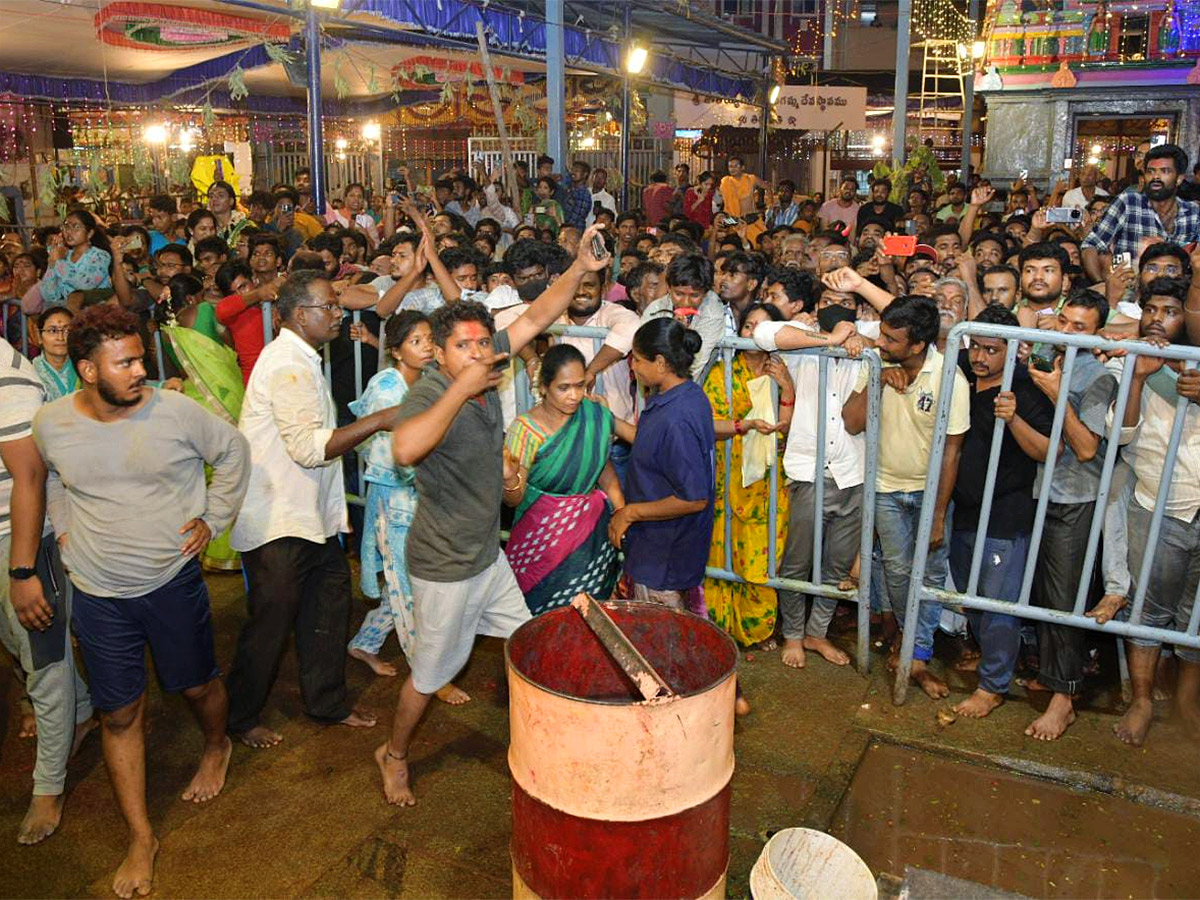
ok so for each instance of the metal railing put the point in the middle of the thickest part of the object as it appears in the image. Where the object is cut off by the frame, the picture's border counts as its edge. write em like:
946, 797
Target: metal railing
966, 597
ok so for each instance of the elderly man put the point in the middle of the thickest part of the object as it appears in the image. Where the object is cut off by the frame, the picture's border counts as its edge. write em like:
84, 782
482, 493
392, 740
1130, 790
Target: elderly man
287, 531
1079, 197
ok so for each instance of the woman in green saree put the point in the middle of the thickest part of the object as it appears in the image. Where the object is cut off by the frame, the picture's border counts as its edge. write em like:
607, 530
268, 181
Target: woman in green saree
565, 490
213, 378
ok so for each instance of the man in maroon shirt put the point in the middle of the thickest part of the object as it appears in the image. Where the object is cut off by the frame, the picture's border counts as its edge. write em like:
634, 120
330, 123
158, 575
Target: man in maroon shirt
656, 199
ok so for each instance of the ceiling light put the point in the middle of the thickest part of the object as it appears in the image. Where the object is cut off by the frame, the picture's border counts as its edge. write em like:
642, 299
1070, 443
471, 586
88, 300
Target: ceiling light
155, 134
371, 131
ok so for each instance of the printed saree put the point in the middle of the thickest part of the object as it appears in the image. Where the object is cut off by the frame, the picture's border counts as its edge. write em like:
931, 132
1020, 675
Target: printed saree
559, 542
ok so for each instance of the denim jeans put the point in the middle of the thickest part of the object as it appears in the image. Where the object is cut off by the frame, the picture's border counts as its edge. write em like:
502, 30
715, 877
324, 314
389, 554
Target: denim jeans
896, 518
1000, 577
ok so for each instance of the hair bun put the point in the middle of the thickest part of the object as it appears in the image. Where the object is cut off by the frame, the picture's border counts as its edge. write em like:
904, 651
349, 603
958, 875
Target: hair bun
691, 341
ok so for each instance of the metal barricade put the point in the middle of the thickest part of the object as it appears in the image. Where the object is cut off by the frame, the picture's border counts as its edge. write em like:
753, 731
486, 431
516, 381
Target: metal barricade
814, 587
968, 598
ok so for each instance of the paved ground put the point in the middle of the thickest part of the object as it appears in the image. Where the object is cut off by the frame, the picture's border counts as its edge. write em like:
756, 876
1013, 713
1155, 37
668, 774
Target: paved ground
307, 818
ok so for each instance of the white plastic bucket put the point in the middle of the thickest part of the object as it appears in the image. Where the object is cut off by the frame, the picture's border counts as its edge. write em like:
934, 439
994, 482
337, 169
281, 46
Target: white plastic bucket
803, 864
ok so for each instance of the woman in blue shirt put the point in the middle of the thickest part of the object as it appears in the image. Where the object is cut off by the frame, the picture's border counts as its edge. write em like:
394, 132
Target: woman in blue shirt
665, 527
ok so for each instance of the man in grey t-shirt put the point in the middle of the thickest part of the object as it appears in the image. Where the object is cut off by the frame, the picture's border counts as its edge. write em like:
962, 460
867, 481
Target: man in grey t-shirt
451, 429
127, 497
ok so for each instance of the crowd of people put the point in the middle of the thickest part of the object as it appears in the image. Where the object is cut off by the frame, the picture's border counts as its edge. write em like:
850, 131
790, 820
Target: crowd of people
198, 398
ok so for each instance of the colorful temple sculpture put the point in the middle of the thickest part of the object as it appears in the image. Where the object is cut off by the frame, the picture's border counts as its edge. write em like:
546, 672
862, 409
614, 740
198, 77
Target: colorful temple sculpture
1074, 82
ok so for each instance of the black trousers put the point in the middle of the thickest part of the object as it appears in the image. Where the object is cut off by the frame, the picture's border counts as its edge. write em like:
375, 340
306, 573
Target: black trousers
1055, 581
305, 586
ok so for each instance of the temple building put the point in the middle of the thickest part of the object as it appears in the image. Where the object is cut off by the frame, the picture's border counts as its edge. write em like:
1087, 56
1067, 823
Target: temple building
1072, 82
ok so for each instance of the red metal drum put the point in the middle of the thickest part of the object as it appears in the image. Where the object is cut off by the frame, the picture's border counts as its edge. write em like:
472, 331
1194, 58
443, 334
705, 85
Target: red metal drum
614, 796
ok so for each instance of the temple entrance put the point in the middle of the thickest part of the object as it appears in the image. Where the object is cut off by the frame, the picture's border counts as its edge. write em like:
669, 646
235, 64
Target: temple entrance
1111, 143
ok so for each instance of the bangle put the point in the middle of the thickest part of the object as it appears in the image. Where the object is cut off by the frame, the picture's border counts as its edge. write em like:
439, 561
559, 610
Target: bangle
791, 402
517, 486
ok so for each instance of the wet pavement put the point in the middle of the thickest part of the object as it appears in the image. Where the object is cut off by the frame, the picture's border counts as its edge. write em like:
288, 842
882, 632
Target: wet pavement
307, 819
910, 808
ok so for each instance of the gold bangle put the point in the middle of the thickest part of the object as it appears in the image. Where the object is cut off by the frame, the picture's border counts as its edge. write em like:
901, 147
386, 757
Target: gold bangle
517, 487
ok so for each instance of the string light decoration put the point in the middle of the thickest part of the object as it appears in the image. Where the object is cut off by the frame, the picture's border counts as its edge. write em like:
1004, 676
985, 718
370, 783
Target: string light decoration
940, 20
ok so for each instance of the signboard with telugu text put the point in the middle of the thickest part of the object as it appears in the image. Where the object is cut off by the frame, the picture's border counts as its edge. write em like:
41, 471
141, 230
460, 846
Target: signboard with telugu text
798, 107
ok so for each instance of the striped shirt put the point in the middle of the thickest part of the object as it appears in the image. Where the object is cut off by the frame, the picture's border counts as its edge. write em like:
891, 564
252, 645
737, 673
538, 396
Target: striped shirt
21, 394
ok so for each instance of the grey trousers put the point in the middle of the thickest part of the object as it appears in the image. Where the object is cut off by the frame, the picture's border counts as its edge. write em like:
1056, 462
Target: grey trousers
842, 516
60, 698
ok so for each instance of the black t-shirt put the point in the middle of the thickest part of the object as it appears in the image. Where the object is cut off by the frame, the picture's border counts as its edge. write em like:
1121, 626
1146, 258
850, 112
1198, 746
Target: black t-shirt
1013, 506
341, 363
889, 214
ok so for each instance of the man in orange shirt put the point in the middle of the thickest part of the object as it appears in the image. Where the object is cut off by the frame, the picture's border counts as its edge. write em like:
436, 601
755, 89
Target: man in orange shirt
656, 199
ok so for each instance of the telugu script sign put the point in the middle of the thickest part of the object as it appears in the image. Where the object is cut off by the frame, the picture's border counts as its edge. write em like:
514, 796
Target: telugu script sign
798, 107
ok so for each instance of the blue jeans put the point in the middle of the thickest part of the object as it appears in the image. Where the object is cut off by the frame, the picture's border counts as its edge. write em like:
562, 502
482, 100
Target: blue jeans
896, 517
1000, 577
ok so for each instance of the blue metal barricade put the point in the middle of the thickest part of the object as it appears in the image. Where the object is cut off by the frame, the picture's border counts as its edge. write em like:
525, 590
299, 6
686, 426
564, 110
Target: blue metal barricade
968, 598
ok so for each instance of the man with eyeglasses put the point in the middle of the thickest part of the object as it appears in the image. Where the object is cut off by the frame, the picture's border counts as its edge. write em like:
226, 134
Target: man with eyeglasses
295, 508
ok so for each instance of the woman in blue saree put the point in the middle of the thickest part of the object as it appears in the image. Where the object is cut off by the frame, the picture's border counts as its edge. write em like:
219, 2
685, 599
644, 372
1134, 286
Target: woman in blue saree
565, 490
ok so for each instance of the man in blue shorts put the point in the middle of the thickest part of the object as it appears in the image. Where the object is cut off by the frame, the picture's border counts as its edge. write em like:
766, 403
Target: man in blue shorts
127, 498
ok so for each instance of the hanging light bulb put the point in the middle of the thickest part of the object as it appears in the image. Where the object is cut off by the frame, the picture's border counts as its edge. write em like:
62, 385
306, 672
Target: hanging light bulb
636, 60
773, 97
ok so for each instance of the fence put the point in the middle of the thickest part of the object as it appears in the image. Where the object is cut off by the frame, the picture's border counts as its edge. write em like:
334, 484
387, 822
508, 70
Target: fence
646, 156
968, 599
816, 587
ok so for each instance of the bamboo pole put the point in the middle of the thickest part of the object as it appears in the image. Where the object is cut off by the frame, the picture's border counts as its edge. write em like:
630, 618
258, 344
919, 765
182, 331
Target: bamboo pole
510, 174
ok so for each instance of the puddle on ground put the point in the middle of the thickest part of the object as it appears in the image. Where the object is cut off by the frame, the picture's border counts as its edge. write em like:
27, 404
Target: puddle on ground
908, 808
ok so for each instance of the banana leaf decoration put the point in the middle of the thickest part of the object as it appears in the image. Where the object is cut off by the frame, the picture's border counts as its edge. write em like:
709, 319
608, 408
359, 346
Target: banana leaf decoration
48, 189
5, 209
180, 170
143, 169
94, 187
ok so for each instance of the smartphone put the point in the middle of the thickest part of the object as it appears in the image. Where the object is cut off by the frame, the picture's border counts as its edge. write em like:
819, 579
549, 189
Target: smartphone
134, 242
900, 245
652, 230
1024, 174
599, 250
728, 221
1063, 215
910, 227
1120, 259
286, 208
1042, 358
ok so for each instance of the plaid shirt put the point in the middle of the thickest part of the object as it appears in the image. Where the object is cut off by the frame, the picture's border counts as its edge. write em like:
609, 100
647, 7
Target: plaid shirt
578, 205
1130, 218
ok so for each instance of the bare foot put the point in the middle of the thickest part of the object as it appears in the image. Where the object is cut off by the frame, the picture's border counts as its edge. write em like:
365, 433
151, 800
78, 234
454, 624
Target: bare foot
41, 819
396, 789
260, 737
136, 873
28, 727
979, 704
741, 707
793, 653
826, 650
82, 730
210, 776
1109, 606
933, 686
1132, 727
1033, 685
1057, 718
359, 719
378, 666
453, 695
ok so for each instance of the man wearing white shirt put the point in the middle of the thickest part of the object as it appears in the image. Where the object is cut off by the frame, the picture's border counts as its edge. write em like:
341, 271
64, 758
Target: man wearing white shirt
1171, 591
295, 508
600, 195
1080, 197
608, 366
843, 476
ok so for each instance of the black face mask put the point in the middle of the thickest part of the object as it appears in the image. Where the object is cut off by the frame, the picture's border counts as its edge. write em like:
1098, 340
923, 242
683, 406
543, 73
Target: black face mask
829, 317
531, 290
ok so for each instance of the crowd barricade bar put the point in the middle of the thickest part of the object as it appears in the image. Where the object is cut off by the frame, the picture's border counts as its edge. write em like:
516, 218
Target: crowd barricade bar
727, 347
1023, 609
160, 361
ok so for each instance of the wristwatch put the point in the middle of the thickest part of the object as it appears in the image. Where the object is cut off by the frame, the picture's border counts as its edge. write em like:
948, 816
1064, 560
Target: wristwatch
21, 573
